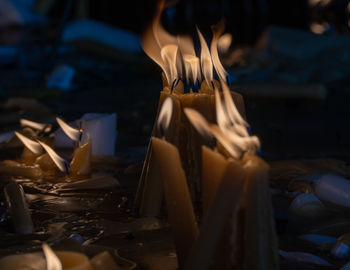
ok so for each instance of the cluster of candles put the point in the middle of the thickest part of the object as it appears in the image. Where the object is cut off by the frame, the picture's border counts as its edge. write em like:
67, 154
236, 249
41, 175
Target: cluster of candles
202, 154
40, 161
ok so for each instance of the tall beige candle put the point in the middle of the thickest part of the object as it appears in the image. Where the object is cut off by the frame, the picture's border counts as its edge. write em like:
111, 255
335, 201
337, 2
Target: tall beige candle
225, 201
213, 167
178, 200
260, 239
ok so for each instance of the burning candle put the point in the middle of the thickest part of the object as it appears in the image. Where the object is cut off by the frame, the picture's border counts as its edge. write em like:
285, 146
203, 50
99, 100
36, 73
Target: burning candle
178, 200
166, 51
80, 166
259, 236
32, 150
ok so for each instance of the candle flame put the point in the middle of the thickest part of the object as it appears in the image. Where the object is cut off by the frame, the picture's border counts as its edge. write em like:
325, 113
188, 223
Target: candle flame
52, 261
60, 162
165, 115
206, 62
153, 42
217, 32
231, 129
199, 122
168, 53
191, 61
224, 42
30, 144
192, 67
172, 53
34, 125
73, 133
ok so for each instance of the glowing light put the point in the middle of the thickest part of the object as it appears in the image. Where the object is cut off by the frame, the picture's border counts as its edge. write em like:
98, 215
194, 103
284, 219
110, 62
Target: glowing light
165, 114
52, 261
72, 133
217, 32
30, 144
224, 42
61, 163
206, 63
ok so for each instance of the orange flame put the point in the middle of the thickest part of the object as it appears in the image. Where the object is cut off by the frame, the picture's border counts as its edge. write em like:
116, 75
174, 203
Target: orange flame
224, 42
153, 42
217, 32
199, 122
52, 261
191, 61
61, 163
30, 144
168, 53
32, 124
165, 114
206, 63
192, 67
72, 133
231, 129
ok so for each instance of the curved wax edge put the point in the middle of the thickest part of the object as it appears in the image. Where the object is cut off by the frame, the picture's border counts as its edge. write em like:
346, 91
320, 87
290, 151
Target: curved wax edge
334, 189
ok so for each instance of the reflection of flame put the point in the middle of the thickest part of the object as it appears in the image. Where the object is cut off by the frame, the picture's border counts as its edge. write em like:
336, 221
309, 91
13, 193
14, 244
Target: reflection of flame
72, 133
165, 114
52, 261
231, 129
30, 144
207, 65
60, 162
224, 42
217, 32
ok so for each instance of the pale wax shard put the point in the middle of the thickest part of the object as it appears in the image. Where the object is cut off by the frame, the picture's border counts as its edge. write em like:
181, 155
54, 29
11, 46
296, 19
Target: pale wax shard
102, 130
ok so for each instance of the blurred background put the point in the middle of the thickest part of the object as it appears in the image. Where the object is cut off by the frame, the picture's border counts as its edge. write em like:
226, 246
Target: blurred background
289, 60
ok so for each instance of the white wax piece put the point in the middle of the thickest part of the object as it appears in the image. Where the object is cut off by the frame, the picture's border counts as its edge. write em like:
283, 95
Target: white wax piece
30, 261
102, 130
333, 188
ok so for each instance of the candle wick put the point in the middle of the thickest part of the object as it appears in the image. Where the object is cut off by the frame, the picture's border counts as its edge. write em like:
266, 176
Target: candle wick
212, 84
66, 167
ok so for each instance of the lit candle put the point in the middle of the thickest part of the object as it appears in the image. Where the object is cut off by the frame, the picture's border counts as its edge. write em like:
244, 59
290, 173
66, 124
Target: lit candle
164, 50
177, 197
31, 150
258, 236
80, 166
260, 239
213, 167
